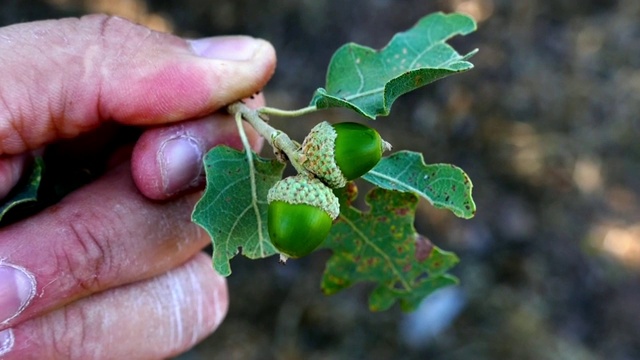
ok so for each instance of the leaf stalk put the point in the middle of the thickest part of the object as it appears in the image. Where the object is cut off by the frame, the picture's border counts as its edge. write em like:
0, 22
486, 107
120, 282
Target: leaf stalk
287, 113
278, 139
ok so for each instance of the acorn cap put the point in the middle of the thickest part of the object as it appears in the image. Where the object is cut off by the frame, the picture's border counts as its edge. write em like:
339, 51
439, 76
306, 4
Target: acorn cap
302, 189
318, 149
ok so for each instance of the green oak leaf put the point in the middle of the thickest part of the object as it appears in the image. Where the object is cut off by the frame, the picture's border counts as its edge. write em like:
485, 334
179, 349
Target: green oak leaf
369, 81
25, 192
382, 246
233, 208
443, 185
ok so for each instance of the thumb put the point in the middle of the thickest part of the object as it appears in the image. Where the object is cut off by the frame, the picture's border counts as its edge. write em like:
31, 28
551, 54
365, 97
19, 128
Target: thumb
64, 77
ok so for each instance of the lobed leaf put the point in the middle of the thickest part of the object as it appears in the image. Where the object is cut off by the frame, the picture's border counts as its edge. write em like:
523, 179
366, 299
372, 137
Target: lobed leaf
233, 208
368, 81
443, 185
382, 246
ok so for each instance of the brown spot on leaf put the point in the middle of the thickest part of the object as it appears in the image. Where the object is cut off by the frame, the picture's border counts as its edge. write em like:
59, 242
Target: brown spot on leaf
424, 246
352, 190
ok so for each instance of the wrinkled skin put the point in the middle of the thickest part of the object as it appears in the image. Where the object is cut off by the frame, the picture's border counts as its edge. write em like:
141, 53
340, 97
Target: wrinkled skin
115, 269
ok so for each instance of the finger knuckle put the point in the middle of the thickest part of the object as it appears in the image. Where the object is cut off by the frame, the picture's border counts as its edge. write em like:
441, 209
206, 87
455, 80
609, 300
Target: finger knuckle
110, 31
86, 257
11, 138
68, 335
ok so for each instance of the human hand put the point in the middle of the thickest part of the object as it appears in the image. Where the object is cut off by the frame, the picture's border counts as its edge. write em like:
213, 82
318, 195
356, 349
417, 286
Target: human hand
108, 272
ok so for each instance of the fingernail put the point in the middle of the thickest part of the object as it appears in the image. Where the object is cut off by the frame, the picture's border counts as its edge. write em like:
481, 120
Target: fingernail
237, 48
17, 288
6, 341
180, 164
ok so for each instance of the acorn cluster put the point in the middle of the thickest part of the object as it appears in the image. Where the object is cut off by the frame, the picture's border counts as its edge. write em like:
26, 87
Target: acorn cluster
303, 207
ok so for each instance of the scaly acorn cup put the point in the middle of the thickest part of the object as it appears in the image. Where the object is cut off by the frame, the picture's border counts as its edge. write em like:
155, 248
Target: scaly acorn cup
301, 211
341, 152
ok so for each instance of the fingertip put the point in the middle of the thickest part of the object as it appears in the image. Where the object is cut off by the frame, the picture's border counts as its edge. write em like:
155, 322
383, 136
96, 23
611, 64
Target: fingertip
235, 48
7, 341
173, 312
185, 86
168, 161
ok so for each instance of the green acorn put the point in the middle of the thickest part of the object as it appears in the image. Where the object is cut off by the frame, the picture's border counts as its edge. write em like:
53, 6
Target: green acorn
341, 152
301, 211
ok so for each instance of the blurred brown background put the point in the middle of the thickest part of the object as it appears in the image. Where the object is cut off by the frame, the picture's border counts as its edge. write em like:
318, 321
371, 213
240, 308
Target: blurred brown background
547, 127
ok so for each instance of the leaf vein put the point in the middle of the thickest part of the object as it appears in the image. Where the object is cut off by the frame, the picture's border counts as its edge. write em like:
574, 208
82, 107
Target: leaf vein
358, 70
380, 252
252, 176
233, 226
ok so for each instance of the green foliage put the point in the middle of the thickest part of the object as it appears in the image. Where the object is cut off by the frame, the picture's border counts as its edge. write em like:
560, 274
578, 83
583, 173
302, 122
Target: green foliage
443, 185
379, 246
369, 81
382, 246
26, 192
233, 208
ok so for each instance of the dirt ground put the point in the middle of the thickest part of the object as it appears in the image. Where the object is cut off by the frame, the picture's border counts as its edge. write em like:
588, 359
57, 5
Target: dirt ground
546, 126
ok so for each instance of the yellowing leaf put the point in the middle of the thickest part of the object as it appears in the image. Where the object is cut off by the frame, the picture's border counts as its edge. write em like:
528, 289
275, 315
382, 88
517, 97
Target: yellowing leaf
382, 246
